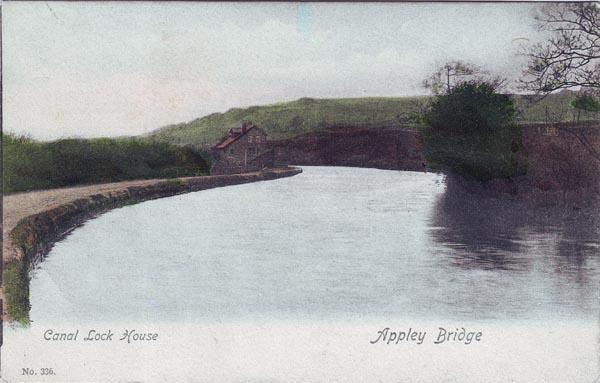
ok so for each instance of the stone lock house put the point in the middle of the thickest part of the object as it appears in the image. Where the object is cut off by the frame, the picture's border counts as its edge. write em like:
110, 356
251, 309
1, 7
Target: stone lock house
244, 149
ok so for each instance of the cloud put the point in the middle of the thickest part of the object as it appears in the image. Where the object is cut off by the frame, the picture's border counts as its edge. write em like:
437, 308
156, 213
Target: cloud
106, 69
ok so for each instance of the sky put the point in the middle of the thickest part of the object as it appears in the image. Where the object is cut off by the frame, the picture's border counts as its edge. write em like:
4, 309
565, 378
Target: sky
90, 69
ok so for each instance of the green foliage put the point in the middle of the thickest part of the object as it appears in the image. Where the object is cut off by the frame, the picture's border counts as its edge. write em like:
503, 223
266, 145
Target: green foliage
586, 102
284, 120
555, 107
30, 165
471, 131
16, 291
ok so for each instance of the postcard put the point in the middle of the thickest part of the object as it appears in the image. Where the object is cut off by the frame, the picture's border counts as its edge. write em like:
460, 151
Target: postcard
300, 192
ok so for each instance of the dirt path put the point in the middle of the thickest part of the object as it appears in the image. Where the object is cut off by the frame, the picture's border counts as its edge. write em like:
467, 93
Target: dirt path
20, 205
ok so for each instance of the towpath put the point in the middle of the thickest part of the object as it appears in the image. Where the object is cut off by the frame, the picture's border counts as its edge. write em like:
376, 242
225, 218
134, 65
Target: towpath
20, 205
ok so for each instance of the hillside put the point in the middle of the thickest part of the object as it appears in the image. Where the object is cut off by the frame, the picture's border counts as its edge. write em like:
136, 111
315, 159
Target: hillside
284, 120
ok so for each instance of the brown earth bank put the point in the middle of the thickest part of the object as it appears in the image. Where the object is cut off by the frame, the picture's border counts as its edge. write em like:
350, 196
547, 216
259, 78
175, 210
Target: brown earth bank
562, 166
33, 221
395, 149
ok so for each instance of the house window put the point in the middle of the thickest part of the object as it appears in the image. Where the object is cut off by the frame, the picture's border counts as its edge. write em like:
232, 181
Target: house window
250, 139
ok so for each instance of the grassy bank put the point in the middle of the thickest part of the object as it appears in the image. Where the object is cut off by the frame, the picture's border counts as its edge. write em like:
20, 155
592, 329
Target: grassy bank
287, 119
31, 165
16, 290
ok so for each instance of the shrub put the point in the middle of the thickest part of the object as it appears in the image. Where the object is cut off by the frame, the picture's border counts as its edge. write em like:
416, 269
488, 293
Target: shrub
471, 131
30, 165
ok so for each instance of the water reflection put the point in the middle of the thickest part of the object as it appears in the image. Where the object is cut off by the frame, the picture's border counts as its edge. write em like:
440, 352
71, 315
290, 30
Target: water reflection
489, 233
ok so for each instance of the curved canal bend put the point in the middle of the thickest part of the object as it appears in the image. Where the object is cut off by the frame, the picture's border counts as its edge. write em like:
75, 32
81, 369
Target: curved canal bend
322, 255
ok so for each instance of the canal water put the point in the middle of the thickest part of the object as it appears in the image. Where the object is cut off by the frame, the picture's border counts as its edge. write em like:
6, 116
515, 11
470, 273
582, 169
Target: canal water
297, 279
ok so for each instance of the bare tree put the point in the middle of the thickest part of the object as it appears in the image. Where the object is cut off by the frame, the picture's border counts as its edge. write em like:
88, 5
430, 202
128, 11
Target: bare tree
455, 72
571, 56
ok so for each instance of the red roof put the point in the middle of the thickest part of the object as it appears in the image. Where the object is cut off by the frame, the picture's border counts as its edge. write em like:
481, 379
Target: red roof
233, 135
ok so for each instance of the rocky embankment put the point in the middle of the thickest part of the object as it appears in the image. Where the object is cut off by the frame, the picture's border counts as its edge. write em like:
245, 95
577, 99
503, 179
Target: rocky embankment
33, 221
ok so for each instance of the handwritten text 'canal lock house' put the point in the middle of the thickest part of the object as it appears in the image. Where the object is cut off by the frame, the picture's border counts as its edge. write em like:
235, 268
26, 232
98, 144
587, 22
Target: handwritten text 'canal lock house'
244, 149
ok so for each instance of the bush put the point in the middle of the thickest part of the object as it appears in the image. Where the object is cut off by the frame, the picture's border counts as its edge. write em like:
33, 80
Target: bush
470, 131
30, 165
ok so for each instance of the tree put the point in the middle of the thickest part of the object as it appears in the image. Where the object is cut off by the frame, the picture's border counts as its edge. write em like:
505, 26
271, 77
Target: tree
585, 102
471, 131
569, 59
456, 72
571, 56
